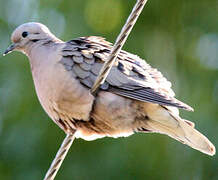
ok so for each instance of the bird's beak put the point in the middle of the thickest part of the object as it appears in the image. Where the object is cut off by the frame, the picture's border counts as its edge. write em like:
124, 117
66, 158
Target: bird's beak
10, 49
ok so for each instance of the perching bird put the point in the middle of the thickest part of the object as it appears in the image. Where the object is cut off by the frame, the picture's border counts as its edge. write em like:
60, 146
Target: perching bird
134, 98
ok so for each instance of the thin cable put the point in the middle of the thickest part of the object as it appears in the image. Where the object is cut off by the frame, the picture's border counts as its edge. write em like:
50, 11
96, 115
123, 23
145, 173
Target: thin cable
121, 39
59, 158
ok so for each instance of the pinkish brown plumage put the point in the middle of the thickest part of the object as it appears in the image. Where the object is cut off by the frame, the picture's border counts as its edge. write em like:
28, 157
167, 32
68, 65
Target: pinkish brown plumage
134, 98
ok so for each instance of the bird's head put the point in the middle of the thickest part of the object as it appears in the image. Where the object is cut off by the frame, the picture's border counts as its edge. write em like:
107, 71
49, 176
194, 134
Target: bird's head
27, 34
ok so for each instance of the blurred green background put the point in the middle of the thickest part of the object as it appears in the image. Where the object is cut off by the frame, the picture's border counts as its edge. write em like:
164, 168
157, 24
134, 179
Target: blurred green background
180, 38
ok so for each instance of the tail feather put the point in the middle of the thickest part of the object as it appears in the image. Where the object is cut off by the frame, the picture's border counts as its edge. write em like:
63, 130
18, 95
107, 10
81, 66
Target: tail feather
183, 131
189, 123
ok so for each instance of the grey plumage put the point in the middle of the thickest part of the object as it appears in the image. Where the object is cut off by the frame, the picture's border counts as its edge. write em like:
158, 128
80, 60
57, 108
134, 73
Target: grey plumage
78, 59
134, 98
145, 83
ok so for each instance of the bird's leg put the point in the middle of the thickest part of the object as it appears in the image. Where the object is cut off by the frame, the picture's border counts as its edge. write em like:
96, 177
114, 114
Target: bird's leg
59, 158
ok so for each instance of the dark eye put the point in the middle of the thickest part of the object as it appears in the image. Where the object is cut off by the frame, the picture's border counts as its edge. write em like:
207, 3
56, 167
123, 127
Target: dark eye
24, 34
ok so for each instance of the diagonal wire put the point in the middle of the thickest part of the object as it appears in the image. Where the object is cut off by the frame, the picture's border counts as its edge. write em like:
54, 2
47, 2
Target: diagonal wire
121, 39
59, 158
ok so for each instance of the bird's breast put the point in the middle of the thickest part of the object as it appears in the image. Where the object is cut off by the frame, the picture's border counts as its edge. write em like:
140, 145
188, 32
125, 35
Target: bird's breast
60, 94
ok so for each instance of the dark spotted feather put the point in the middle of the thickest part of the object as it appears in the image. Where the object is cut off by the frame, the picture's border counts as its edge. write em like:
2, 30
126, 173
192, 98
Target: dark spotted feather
130, 76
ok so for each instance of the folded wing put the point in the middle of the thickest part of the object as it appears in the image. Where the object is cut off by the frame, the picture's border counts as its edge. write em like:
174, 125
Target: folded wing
130, 76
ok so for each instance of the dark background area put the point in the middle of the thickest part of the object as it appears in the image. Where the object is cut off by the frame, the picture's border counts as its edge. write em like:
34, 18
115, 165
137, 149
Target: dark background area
180, 38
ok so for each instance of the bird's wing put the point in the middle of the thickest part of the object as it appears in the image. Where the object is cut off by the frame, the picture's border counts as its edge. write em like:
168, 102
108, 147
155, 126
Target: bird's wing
130, 76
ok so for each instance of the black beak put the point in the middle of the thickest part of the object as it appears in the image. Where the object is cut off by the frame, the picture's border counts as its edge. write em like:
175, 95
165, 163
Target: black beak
9, 49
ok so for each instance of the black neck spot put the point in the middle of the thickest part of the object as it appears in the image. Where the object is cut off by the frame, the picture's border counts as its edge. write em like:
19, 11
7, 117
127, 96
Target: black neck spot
35, 40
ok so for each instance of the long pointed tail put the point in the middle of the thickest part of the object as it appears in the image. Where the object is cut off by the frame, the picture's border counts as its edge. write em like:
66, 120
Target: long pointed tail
181, 130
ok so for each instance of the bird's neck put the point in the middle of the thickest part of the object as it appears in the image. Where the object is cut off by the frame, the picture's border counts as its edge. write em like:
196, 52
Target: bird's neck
39, 53
41, 43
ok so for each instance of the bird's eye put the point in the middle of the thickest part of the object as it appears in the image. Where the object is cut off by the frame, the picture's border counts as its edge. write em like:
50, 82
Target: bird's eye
24, 34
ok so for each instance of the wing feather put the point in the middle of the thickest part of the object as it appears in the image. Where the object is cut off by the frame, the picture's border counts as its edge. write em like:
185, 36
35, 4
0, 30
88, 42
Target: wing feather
130, 76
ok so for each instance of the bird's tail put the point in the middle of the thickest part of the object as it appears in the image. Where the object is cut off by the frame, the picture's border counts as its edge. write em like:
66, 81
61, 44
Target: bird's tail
183, 131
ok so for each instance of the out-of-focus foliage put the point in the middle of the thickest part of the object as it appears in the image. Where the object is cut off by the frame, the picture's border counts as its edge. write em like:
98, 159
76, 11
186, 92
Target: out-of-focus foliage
180, 38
